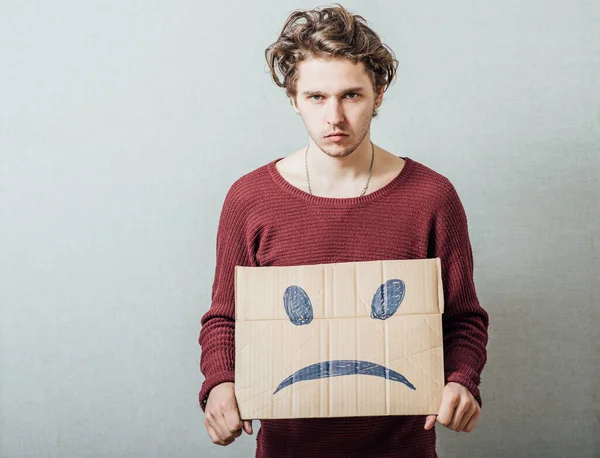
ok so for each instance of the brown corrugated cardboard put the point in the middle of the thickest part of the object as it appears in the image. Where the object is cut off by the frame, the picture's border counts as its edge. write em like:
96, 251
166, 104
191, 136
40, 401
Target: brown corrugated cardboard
335, 340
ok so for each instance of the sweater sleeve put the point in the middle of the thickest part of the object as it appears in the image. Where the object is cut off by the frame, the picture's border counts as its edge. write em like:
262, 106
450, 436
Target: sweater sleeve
465, 322
217, 335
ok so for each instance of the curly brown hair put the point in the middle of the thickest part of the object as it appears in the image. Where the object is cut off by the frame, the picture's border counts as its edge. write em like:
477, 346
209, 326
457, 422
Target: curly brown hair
329, 32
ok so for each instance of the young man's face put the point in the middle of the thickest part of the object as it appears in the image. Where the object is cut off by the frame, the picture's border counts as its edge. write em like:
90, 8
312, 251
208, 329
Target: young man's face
335, 96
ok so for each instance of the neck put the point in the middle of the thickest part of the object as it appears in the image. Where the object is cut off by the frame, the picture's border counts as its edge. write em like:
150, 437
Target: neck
329, 170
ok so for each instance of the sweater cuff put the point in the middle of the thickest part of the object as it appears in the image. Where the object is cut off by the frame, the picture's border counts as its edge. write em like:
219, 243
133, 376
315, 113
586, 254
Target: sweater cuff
467, 382
211, 382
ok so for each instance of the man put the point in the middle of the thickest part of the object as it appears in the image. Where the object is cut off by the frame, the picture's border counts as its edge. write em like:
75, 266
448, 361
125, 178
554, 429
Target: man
340, 199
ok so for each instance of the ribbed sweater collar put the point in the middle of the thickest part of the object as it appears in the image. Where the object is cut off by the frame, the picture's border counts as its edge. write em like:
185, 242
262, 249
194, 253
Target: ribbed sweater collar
338, 201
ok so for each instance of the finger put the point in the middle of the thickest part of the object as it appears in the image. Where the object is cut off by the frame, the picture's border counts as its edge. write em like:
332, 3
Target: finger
215, 437
227, 427
235, 434
229, 435
465, 419
248, 426
430, 421
217, 423
459, 414
471, 409
232, 420
470, 426
449, 403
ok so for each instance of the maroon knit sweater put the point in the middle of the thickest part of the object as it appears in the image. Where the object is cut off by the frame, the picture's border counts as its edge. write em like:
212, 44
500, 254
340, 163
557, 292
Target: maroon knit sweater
265, 221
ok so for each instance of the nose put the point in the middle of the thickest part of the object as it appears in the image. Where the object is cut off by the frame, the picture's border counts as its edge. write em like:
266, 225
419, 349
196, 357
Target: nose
334, 112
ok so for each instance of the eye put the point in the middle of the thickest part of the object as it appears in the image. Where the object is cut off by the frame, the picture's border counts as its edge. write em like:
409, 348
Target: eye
315, 95
297, 305
352, 93
387, 299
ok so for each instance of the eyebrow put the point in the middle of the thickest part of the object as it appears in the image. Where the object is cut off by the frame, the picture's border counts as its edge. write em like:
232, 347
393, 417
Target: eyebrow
345, 91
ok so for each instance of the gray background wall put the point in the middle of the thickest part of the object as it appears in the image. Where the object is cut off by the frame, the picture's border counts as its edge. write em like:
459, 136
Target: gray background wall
123, 124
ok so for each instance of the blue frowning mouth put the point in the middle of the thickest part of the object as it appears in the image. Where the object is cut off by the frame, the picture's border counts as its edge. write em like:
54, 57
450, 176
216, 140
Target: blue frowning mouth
341, 367
385, 303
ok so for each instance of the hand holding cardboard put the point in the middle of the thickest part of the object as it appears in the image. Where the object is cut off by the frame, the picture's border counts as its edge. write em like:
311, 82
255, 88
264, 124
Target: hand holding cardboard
459, 410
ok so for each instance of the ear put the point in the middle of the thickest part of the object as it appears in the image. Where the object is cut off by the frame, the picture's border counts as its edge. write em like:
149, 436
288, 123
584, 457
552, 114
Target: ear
293, 102
379, 97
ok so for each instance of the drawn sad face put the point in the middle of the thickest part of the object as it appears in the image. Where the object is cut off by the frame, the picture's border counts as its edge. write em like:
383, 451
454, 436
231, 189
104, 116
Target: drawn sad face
300, 330
385, 303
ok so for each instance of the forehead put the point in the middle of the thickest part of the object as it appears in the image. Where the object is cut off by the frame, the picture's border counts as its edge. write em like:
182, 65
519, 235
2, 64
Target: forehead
331, 75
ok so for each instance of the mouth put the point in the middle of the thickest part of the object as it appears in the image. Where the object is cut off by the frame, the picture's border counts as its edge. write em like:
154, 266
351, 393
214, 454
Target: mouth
337, 136
341, 367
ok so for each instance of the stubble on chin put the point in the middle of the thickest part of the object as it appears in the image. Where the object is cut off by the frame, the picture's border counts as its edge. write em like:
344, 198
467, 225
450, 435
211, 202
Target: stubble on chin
347, 150
339, 153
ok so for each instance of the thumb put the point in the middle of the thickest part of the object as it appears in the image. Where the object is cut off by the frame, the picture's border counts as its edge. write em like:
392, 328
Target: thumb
430, 421
247, 425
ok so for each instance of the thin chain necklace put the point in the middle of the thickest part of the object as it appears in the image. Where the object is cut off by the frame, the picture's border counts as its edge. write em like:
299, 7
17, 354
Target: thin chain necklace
368, 179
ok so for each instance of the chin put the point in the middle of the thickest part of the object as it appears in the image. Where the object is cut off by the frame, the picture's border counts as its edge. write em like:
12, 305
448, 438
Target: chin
338, 150
343, 152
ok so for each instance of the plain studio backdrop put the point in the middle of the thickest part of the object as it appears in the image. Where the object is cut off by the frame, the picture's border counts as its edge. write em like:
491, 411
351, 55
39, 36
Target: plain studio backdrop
122, 126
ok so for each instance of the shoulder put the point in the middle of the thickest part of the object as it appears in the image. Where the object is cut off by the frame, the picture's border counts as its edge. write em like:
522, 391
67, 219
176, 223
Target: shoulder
430, 184
429, 178
248, 189
441, 200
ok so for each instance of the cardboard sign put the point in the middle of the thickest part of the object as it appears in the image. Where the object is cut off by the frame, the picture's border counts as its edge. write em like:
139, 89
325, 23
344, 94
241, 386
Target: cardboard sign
335, 340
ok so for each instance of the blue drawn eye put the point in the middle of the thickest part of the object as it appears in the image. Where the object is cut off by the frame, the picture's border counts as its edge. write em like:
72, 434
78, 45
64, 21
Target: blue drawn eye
297, 305
387, 299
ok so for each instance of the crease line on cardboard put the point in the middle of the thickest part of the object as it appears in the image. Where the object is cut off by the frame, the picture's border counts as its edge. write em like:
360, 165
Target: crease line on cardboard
268, 324
418, 366
256, 395
337, 317
333, 291
441, 303
329, 397
387, 365
358, 382
285, 365
417, 337
433, 331
414, 354
355, 291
